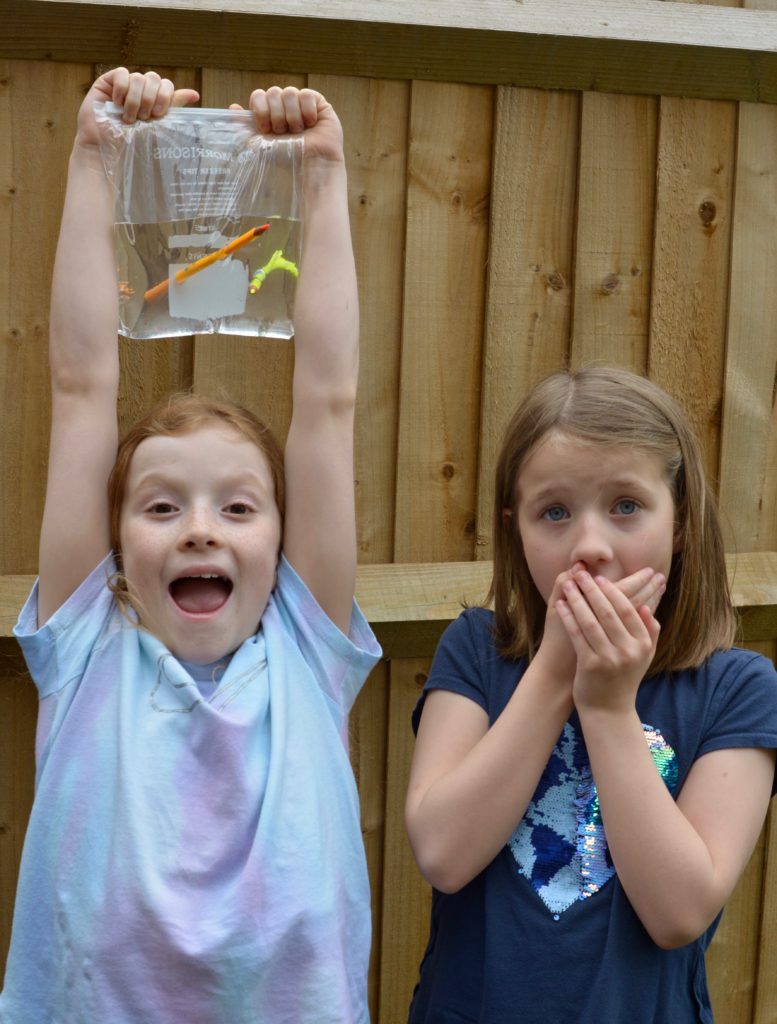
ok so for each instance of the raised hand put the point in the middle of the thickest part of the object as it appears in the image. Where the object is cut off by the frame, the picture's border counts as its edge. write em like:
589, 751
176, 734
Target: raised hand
280, 111
142, 95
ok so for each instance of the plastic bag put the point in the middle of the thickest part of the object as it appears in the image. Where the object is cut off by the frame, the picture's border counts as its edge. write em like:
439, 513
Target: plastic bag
208, 223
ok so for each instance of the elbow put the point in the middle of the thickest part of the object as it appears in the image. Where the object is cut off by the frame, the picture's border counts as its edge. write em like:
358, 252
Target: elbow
666, 938
441, 876
674, 932
441, 868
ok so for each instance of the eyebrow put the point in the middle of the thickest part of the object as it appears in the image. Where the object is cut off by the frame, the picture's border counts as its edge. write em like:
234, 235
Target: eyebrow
560, 489
156, 478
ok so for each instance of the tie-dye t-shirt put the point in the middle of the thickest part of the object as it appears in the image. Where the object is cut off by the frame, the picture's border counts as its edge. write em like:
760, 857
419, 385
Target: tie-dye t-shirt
545, 934
192, 856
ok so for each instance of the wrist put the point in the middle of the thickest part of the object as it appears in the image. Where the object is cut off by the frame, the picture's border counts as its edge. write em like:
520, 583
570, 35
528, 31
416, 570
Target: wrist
553, 676
323, 171
85, 156
607, 719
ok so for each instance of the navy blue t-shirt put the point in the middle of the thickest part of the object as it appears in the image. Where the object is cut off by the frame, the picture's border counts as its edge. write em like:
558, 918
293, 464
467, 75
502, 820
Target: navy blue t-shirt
545, 934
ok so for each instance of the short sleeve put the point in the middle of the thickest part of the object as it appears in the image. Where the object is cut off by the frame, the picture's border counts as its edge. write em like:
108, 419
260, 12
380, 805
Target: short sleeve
59, 650
459, 662
339, 663
743, 712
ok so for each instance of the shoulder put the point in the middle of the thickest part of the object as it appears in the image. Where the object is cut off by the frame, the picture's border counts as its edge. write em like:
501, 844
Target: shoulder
735, 672
737, 661
468, 662
728, 701
473, 629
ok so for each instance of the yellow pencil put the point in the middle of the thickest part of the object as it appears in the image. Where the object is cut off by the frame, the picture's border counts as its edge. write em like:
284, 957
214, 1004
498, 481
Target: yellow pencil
206, 261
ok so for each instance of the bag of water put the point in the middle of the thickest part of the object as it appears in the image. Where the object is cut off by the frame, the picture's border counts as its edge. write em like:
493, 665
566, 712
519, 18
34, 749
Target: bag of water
208, 223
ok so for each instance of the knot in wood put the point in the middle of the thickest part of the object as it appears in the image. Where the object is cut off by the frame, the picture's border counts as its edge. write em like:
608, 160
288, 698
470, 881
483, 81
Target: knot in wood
611, 284
555, 281
420, 678
448, 470
707, 212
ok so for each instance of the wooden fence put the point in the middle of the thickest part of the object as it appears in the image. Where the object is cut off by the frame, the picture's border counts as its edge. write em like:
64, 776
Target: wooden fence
532, 185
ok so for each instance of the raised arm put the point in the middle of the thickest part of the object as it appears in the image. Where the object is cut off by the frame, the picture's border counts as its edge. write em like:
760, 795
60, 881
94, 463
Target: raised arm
320, 529
83, 351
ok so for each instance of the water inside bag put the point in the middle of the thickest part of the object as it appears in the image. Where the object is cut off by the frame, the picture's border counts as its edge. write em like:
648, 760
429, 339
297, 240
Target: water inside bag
186, 186
216, 299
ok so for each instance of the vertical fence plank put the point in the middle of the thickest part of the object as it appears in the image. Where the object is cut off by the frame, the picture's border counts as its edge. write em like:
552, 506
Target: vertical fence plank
753, 523
733, 955
406, 896
748, 466
690, 260
375, 122
613, 259
18, 713
38, 107
529, 264
374, 116
766, 981
449, 168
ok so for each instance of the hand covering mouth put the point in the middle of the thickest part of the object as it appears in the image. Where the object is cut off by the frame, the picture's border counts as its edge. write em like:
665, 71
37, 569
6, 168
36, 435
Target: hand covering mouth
204, 592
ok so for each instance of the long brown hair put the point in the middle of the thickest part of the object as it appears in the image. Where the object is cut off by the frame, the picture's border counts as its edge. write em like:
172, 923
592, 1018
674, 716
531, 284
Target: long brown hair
614, 407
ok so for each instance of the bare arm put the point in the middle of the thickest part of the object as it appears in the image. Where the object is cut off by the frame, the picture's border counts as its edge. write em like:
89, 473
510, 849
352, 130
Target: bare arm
320, 529
470, 785
83, 352
678, 862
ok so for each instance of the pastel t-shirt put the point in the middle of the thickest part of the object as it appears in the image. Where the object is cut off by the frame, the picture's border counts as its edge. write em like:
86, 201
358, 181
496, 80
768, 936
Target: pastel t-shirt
194, 853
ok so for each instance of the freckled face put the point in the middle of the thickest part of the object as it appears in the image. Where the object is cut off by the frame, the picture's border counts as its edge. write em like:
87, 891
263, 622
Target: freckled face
200, 535
608, 507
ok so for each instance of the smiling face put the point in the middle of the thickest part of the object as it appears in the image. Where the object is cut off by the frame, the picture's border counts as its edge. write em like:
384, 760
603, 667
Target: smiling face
609, 507
200, 535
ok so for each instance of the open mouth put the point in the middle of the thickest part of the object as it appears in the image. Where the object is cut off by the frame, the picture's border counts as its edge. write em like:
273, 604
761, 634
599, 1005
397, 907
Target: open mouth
200, 594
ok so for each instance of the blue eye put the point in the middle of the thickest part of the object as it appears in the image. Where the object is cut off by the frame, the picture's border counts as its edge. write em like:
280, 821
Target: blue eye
555, 514
626, 507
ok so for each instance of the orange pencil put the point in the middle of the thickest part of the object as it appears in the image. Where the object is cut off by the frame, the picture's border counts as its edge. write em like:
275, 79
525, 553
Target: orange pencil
206, 261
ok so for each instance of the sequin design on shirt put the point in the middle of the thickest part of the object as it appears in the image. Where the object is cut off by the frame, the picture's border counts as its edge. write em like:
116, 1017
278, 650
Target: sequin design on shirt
560, 846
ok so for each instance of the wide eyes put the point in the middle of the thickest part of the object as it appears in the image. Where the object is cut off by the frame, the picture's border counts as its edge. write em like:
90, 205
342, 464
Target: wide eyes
555, 513
626, 507
622, 507
238, 508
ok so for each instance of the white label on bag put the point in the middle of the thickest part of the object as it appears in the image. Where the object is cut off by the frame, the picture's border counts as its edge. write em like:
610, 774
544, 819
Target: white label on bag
217, 291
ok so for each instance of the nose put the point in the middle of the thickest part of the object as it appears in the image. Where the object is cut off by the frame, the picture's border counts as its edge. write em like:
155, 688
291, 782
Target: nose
199, 530
591, 543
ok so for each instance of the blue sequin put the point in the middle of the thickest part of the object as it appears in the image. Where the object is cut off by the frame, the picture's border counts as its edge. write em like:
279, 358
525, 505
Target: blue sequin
560, 846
